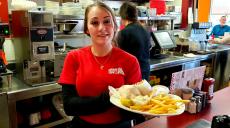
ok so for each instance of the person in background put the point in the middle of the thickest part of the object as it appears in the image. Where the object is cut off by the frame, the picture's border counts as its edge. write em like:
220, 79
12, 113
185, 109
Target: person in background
88, 72
224, 40
219, 30
134, 38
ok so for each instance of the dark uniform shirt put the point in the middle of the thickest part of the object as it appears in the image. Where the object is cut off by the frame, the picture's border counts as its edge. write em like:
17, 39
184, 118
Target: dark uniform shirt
135, 40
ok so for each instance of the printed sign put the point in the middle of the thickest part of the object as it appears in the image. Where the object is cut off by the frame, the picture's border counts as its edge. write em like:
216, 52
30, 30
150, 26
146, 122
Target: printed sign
191, 78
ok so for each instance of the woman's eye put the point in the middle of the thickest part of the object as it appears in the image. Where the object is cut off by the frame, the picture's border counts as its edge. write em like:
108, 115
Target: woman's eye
94, 23
107, 22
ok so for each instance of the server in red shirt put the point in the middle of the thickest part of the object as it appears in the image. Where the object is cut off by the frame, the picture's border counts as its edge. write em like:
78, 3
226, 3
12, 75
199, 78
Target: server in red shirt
88, 72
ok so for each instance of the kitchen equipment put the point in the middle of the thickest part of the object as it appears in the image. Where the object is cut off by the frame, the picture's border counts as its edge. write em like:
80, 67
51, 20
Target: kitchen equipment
58, 63
199, 35
33, 69
33, 31
142, 11
221, 121
68, 24
4, 29
5, 74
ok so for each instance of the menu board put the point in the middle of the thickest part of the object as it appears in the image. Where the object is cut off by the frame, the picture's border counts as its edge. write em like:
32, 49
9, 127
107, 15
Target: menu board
191, 78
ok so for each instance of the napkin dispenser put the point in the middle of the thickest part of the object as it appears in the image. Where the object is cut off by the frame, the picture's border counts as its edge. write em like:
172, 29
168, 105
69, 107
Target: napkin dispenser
221, 121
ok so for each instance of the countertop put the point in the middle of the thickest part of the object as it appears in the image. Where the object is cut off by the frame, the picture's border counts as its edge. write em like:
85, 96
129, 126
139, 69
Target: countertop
19, 90
219, 106
174, 60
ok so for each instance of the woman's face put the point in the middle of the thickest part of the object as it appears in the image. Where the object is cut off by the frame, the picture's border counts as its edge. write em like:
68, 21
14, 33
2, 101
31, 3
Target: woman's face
100, 26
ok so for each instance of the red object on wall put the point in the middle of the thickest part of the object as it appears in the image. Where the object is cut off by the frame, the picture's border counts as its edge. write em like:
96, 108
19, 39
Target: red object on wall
184, 10
4, 18
160, 5
20, 23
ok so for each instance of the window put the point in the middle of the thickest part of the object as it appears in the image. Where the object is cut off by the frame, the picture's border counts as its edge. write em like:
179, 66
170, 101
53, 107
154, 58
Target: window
220, 7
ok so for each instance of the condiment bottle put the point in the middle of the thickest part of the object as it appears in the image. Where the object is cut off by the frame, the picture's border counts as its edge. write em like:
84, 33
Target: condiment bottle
187, 93
192, 106
198, 103
208, 86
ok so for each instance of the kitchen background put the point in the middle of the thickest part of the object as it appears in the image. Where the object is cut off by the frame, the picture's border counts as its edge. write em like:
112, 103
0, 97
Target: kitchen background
77, 9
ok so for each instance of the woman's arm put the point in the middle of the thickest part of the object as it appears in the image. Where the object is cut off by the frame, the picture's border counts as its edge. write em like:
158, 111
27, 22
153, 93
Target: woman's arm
76, 105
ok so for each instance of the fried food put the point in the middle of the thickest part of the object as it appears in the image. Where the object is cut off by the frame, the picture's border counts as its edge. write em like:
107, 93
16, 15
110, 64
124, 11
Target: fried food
155, 100
144, 87
160, 104
128, 91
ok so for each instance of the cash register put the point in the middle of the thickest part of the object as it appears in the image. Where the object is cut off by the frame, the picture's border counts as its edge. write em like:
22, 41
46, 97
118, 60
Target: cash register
162, 41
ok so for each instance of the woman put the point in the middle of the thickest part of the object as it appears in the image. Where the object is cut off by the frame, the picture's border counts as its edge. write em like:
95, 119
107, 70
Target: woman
88, 72
134, 39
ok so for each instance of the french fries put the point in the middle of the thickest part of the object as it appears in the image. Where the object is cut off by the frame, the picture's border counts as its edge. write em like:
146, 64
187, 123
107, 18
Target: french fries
160, 104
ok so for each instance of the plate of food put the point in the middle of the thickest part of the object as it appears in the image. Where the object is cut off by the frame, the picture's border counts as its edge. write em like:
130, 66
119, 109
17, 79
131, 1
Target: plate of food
143, 99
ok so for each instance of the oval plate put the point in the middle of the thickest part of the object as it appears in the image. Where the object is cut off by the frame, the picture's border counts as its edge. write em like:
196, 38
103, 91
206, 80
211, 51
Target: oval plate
114, 99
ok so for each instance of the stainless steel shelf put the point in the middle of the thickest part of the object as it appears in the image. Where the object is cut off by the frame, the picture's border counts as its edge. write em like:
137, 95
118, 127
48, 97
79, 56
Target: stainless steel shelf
68, 17
59, 35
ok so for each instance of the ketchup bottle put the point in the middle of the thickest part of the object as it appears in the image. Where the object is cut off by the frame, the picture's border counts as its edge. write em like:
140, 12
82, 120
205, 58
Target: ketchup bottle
208, 86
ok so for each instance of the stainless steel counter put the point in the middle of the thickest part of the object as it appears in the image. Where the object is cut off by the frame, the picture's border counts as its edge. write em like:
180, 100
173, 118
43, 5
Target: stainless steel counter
219, 59
171, 61
156, 64
20, 91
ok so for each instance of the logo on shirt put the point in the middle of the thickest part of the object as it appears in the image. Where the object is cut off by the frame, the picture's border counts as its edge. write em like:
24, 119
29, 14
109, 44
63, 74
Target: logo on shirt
117, 71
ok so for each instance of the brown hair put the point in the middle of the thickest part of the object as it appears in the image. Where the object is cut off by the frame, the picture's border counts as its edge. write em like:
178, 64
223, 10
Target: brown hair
101, 5
128, 11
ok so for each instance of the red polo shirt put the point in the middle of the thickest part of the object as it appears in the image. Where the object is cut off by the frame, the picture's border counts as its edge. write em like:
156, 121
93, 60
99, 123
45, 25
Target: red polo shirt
82, 69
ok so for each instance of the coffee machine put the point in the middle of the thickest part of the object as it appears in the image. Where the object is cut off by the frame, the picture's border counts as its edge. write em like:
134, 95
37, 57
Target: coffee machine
34, 43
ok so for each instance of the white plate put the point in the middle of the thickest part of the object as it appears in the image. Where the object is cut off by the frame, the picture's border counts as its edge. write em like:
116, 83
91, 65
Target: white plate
114, 99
